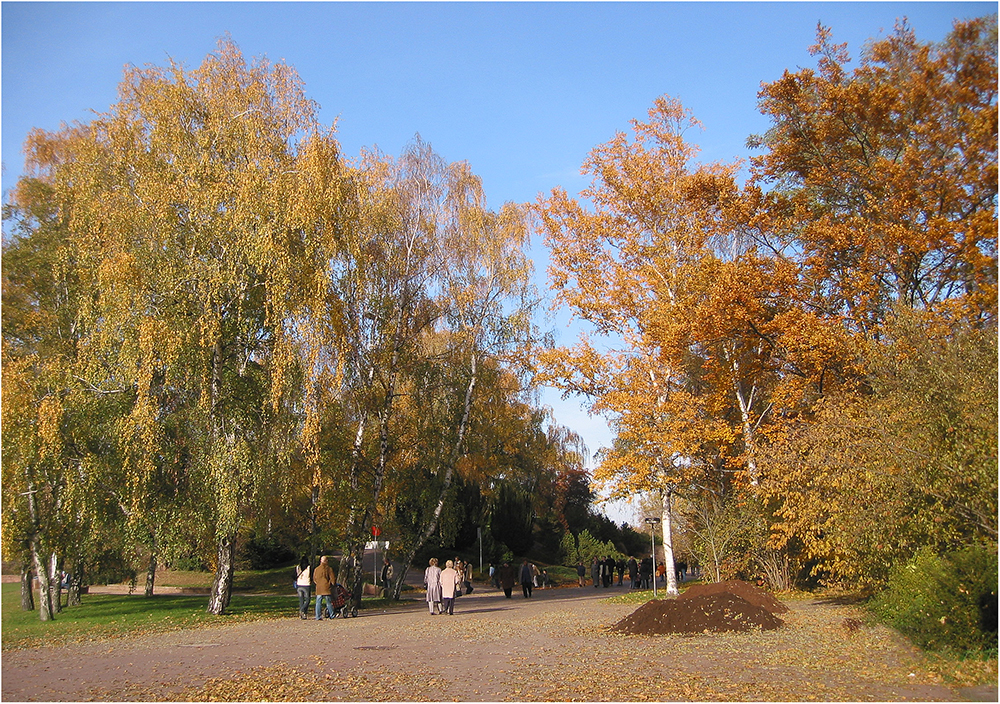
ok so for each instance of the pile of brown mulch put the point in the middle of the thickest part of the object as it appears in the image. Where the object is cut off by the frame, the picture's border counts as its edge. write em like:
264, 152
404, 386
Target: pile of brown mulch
716, 609
744, 590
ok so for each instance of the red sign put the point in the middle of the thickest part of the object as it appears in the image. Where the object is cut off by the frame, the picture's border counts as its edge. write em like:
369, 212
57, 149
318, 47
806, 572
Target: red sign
376, 531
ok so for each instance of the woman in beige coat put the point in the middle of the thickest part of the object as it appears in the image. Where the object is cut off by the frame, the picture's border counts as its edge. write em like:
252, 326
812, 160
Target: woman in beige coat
450, 581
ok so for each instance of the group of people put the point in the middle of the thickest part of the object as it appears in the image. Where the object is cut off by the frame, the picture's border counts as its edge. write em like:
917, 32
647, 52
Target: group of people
445, 585
528, 575
328, 592
334, 596
640, 572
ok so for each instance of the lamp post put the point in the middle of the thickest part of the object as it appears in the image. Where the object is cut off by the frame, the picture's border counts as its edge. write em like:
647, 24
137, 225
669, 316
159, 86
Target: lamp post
652, 521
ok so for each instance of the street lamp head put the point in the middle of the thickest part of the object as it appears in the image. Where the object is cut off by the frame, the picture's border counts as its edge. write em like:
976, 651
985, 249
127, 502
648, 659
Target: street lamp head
652, 520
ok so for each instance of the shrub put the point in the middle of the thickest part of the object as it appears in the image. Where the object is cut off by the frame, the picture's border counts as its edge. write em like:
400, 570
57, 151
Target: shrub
944, 602
262, 553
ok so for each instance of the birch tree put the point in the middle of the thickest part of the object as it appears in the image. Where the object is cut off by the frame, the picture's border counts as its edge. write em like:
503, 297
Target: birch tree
639, 267
179, 204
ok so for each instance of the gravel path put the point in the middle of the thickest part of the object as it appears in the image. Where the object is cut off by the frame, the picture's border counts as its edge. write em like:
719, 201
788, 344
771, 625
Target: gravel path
552, 647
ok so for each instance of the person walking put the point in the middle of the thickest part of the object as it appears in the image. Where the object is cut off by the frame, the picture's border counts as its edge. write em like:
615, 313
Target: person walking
508, 575
324, 579
467, 577
609, 571
451, 582
303, 585
646, 571
595, 572
633, 572
581, 572
527, 577
432, 581
385, 577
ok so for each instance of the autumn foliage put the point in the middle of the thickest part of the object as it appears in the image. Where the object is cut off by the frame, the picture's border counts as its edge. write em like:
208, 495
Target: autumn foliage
814, 349
212, 318
215, 322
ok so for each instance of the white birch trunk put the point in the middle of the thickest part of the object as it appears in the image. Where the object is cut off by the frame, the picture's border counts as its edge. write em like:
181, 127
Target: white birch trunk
446, 485
748, 427
668, 547
222, 585
46, 611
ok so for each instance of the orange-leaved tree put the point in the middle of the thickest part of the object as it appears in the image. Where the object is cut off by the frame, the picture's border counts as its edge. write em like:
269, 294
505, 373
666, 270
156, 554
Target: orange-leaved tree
664, 268
883, 195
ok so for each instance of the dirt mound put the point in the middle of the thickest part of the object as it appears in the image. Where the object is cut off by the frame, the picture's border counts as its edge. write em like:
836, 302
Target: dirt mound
713, 613
745, 590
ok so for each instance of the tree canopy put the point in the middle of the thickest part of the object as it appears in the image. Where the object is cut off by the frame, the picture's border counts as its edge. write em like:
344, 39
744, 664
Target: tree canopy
215, 322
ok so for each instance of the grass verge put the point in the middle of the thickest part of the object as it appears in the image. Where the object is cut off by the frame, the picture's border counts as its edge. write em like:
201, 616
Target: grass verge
107, 616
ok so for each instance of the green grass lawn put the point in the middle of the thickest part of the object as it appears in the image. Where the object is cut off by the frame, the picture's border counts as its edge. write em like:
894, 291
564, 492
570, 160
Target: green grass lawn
256, 596
120, 615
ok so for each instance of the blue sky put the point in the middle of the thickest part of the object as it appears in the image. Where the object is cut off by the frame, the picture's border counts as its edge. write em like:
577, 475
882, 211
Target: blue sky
522, 91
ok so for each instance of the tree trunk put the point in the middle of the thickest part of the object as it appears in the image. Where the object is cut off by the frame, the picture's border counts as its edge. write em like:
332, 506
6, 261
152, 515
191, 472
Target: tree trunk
46, 611
449, 474
343, 574
222, 585
75, 585
27, 588
358, 532
55, 581
151, 568
777, 567
668, 546
313, 547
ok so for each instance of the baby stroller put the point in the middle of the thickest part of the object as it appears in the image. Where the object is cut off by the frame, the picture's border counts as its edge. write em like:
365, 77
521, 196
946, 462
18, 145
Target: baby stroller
339, 598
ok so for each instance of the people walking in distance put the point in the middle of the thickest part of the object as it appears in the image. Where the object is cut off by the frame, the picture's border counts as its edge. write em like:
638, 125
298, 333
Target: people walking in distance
633, 572
460, 570
595, 572
661, 573
609, 571
646, 571
324, 578
508, 575
432, 582
681, 570
467, 576
385, 577
494, 576
303, 585
450, 584
527, 577
581, 572
620, 566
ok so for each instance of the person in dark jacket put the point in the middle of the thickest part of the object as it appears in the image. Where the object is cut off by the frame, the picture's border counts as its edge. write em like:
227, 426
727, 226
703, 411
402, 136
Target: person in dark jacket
609, 571
527, 577
633, 572
646, 571
581, 572
508, 575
